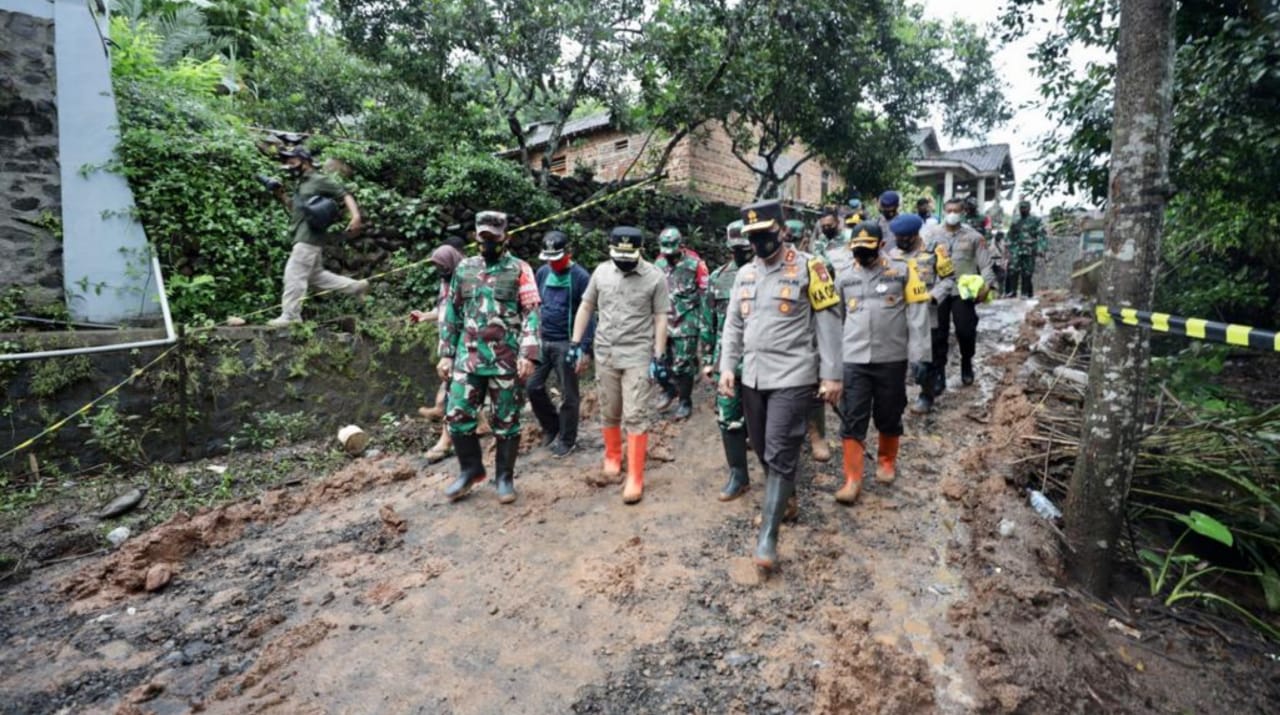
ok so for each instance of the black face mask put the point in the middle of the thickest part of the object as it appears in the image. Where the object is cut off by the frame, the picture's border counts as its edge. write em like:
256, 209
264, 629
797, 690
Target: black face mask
626, 266
865, 256
491, 249
909, 245
446, 277
890, 212
924, 213
765, 244
830, 231
742, 255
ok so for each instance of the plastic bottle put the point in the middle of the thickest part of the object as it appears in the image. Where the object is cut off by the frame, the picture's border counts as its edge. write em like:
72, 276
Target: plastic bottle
1043, 506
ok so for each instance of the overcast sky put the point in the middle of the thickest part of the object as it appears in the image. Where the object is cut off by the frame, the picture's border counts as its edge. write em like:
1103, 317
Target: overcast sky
1014, 66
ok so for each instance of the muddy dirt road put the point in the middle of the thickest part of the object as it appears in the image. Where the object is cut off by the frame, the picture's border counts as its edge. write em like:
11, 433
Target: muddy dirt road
363, 591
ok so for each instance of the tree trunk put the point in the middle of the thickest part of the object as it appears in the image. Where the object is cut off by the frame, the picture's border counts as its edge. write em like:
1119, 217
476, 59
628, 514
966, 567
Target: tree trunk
1114, 412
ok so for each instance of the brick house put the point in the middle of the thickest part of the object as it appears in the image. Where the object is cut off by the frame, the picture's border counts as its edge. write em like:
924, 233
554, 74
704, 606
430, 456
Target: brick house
701, 165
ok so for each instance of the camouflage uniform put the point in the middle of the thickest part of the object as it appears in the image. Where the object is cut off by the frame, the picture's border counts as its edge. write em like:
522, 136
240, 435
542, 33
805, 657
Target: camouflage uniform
1026, 240
714, 304
686, 281
491, 320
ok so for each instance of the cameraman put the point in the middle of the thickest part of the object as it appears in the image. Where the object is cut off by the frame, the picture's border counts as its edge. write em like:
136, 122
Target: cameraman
307, 226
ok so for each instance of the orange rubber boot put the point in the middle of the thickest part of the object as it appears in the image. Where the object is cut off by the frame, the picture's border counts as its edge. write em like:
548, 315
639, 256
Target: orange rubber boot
887, 459
637, 445
612, 453
855, 455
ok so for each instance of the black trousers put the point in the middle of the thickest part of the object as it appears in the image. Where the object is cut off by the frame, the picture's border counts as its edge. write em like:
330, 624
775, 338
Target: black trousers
1021, 278
776, 425
564, 421
876, 389
965, 314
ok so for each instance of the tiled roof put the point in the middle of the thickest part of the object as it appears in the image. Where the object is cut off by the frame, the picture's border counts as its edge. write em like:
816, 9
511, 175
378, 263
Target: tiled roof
540, 133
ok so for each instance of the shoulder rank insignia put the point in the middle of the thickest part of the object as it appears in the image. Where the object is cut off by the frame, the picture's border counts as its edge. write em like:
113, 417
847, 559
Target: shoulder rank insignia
822, 290
917, 291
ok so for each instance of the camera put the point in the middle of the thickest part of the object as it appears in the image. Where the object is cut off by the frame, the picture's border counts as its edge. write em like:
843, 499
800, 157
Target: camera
269, 183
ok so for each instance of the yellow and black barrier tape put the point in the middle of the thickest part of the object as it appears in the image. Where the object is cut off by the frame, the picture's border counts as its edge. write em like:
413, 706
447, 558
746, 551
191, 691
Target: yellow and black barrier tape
84, 409
1198, 328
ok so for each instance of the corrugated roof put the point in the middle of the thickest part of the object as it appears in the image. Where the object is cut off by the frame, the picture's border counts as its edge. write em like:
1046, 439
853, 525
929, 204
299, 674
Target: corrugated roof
987, 159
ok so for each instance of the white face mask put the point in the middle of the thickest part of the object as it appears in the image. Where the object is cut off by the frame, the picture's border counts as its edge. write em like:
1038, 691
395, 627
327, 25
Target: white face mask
953, 219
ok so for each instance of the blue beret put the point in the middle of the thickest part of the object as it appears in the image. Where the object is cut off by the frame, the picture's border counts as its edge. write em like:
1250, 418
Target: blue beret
906, 225
890, 198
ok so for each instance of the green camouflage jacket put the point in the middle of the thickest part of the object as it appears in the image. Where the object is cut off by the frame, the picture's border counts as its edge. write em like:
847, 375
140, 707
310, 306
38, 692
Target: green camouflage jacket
491, 316
715, 301
686, 282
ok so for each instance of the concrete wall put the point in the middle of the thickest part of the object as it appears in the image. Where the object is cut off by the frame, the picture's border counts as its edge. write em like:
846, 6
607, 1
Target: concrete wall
106, 272
30, 185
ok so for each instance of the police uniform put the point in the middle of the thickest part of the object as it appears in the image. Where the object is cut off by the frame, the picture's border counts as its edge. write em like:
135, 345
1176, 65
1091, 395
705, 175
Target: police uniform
729, 416
934, 268
490, 322
779, 302
686, 276
886, 325
970, 257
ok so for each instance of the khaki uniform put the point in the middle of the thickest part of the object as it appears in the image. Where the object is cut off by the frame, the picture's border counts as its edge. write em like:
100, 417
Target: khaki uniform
969, 256
625, 306
305, 267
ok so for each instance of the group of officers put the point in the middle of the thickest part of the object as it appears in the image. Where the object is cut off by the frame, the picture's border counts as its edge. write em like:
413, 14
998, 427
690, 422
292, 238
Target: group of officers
783, 332
797, 321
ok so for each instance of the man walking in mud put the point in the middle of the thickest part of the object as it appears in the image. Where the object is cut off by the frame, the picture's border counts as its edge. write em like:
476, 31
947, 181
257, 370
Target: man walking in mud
885, 305
729, 416
629, 295
561, 285
686, 276
780, 301
975, 279
488, 345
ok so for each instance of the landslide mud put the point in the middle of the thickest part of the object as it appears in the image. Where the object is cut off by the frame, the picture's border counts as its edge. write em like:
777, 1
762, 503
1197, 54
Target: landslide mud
364, 591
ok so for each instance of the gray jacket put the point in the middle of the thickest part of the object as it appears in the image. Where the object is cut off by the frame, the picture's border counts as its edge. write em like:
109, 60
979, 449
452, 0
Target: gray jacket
884, 321
772, 319
968, 251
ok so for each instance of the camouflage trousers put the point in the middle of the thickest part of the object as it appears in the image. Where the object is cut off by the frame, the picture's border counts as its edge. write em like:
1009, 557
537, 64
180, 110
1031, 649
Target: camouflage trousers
729, 411
682, 355
466, 398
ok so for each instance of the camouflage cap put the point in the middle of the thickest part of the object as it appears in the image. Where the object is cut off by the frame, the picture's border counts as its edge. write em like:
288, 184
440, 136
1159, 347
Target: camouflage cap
670, 239
493, 223
796, 227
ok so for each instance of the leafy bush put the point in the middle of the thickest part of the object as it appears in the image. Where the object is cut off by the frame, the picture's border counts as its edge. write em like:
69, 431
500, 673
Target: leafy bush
478, 181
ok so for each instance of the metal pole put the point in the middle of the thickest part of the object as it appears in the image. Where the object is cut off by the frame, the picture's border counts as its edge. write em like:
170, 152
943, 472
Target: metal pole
170, 338
182, 390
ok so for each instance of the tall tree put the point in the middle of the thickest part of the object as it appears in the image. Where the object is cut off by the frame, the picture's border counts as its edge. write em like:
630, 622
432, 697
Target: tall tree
1139, 189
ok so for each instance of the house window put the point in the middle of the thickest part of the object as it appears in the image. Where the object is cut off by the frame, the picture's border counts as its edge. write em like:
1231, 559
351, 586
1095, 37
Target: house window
621, 144
559, 164
826, 185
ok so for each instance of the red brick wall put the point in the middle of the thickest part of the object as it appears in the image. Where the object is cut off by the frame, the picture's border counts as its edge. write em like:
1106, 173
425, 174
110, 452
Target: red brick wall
701, 165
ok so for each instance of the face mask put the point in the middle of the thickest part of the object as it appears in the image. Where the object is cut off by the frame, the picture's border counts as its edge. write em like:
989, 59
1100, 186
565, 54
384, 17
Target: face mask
865, 256
924, 213
765, 244
889, 212
953, 219
491, 248
560, 265
671, 252
742, 255
626, 266
830, 231
446, 277
909, 244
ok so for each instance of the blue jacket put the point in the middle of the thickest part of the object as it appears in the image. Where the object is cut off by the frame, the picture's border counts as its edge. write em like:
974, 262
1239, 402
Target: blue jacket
559, 306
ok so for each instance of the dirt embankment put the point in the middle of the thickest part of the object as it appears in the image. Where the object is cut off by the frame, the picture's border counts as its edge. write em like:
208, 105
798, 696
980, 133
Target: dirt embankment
365, 592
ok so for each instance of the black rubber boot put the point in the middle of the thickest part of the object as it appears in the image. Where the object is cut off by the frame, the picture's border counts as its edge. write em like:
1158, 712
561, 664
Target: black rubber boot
505, 451
470, 463
777, 492
684, 393
966, 371
735, 454
924, 378
939, 380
